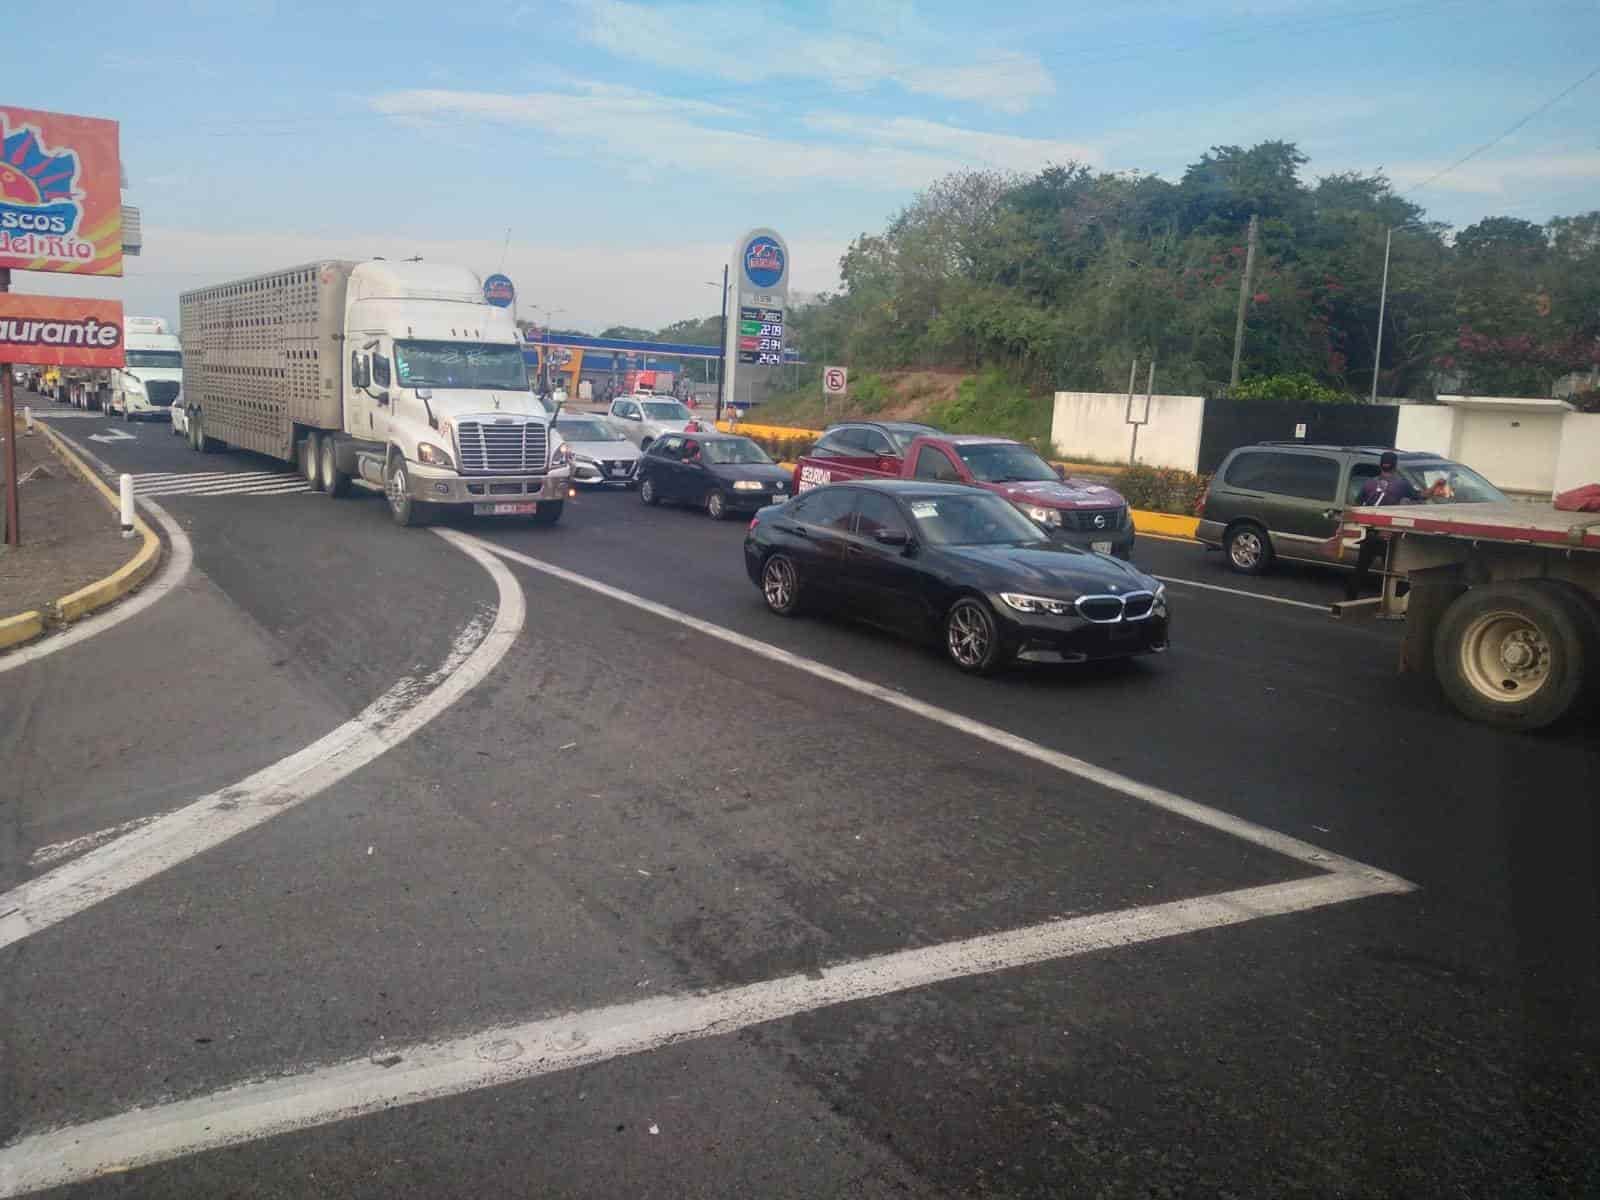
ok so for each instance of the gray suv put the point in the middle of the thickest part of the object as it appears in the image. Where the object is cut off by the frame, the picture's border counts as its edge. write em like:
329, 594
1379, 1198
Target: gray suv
1287, 499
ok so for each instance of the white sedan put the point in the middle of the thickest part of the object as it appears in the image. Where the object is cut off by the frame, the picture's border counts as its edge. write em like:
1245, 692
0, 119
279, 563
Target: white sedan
180, 420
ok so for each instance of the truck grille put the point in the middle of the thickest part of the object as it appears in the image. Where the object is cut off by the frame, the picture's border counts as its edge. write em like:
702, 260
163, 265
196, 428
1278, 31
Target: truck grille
161, 392
1093, 520
501, 447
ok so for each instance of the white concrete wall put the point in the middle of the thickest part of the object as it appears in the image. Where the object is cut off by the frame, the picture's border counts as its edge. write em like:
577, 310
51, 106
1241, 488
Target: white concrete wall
1514, 451
1579, 460
1429, 427
1094, 425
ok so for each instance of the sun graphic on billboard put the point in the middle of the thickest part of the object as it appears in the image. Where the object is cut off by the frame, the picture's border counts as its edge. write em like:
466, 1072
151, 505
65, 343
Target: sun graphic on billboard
60, 194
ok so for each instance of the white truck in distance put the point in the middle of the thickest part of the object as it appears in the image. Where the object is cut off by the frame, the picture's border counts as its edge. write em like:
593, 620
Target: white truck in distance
150, 380
397, 376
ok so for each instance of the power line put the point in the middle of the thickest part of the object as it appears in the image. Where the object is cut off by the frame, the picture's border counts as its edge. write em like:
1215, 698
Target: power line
1496, 140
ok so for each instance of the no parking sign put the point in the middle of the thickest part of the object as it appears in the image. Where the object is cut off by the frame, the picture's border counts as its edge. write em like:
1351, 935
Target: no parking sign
833, 380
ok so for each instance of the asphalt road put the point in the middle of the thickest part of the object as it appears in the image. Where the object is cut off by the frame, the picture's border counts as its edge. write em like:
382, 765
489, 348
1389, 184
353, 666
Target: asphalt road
629, 807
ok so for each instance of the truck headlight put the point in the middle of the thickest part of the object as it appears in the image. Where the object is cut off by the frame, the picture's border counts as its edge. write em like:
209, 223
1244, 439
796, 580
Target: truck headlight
433, 455
1036, 604
561, 456
1045, 516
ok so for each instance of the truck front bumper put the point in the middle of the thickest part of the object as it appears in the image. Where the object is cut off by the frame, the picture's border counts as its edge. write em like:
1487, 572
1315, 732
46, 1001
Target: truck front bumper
436, 486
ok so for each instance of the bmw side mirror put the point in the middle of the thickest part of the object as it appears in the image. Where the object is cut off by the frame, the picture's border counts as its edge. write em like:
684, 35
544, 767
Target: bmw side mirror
892, 537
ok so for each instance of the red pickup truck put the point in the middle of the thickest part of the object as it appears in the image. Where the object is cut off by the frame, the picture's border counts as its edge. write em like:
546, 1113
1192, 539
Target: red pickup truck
1078, 511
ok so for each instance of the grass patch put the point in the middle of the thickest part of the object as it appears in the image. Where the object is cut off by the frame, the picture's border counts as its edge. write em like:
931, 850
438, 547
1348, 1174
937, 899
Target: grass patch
995, 404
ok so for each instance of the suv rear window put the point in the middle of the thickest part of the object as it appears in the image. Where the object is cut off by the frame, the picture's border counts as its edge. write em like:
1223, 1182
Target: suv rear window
1307, 476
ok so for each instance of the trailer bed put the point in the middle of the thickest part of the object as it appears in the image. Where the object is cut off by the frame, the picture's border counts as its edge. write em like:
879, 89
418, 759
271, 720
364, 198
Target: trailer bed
1510, 522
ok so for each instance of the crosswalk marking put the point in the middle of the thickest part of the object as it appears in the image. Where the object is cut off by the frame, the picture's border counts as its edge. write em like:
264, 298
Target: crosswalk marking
219, 483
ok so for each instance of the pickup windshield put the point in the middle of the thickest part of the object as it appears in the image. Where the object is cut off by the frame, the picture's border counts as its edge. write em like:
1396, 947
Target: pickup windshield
981, 519
666, 410
742, 450
155, 358
460, 365
1002, 462
588, 430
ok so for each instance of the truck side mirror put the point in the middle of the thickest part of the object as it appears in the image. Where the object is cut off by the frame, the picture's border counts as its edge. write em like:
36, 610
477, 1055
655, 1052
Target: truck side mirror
360, 372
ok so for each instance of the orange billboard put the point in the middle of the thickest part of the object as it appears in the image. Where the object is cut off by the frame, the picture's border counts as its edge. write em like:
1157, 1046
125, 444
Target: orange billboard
60, 193
53, 331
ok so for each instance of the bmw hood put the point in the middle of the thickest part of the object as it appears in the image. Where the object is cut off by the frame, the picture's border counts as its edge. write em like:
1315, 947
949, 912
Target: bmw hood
1071, 493
1052, 570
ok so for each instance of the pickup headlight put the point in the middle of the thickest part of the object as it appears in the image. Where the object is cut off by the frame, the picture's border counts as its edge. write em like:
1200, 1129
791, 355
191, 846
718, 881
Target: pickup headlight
746, 485
1037, 604
561, 456
1045, 516
434, 456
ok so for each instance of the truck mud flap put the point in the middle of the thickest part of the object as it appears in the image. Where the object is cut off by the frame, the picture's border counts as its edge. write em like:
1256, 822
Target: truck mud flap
1432, 591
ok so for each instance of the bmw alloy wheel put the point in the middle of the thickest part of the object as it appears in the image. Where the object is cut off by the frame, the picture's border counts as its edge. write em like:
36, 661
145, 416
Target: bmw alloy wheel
778, 583
969, 634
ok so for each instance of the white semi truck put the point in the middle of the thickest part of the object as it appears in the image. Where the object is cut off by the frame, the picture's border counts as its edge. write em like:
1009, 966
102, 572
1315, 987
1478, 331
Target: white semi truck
150, 380
397, 376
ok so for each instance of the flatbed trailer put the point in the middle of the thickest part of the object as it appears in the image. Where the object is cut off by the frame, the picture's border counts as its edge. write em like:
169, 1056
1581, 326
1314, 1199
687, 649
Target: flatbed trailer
1501, 603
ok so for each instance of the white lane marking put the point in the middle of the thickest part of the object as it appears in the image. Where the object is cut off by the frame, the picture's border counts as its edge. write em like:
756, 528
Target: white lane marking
1157, 797
143, 476
504, 1054
213, 819
71, 848
1216, 587
180, 557
258, 488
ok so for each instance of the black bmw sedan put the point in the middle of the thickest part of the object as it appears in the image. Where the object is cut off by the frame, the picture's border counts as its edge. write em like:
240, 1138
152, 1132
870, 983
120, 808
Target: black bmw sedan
956, 566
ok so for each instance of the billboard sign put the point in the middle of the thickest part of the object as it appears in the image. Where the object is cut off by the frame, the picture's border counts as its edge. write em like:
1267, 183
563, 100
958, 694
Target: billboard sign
60, 193
755, 342
498, 291
52, 331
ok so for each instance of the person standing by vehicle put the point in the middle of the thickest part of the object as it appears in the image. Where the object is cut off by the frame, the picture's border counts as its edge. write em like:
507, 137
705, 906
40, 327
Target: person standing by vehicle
1388, 486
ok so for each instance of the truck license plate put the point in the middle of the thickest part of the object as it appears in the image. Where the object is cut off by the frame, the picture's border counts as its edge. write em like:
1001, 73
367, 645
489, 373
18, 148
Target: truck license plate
524, 509
1100, 547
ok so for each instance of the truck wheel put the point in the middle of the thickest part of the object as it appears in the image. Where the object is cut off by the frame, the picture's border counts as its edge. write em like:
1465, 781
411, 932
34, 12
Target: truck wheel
311, 467
972, 637
1515, 655
1248, 547
647, 492
334, 481
198, 437
397, 490
127, 413
717, 505
549, 513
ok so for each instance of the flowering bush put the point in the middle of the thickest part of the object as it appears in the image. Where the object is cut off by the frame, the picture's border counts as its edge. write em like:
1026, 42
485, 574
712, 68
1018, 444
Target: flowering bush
1162, 489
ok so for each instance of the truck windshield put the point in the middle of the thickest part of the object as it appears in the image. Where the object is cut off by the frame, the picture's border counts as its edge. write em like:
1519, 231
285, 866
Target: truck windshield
155, 358
1451, 483
460, 365
1001, 462
981, 519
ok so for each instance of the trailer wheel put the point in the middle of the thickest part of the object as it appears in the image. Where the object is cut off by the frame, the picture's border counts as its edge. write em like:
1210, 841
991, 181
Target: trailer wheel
334, 481
198, 437
1517, 655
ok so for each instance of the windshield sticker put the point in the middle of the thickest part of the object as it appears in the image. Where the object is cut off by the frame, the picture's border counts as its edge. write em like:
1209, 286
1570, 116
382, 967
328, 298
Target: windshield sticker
924, 509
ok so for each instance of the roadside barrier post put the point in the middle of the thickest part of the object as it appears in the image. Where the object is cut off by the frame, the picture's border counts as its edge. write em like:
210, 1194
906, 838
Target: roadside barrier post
27, 416
127, 506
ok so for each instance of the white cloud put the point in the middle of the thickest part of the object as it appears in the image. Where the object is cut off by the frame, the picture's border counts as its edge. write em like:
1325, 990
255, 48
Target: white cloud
645, 129
650, 286
1498, 176
863, 46
1001, 150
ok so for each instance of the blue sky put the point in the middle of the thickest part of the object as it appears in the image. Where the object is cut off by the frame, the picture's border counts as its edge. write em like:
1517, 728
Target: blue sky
625, 144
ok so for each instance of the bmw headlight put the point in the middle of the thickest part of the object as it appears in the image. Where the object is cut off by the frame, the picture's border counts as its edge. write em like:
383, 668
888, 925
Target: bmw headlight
1037, 604
433, 455
1044, 516
1159, 607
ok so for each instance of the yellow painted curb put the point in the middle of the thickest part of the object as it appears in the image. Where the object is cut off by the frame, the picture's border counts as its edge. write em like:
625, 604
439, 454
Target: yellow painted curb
125, 578
1165, 523
23, 627
750, 429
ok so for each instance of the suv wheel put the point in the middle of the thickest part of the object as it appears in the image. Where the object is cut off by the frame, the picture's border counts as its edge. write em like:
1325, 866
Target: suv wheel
1248, 548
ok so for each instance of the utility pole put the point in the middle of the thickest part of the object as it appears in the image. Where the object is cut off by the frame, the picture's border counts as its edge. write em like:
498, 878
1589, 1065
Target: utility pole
1383, 301
13, 511
722, 341
1244, 299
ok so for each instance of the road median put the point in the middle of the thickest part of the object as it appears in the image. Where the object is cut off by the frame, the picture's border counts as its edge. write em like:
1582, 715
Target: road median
73, 560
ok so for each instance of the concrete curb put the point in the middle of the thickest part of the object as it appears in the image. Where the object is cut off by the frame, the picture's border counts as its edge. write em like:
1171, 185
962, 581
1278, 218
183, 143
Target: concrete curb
1165, 524
24, 627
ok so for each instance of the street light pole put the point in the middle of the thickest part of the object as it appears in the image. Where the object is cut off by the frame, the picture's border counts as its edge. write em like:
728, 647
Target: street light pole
722, 341
1383, 301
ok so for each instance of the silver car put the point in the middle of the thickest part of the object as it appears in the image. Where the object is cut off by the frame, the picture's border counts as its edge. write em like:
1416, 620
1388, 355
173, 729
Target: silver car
600, 455
642, 419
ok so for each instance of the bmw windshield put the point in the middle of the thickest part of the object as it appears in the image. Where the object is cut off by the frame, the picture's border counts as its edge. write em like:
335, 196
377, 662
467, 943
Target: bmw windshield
980, 519
460, 365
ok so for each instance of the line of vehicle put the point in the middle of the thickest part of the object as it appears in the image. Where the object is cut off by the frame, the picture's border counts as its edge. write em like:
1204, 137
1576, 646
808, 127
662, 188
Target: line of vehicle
1216, 587
503, 1054
1192, 810
215, 818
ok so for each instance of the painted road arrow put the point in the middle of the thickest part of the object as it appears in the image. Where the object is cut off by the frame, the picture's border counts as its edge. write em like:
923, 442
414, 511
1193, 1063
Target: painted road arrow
112, 435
